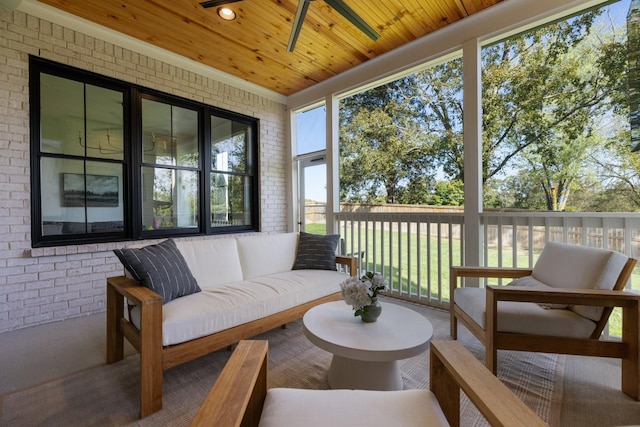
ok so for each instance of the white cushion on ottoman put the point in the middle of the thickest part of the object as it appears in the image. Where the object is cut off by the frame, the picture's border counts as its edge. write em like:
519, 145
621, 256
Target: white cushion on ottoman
285, 407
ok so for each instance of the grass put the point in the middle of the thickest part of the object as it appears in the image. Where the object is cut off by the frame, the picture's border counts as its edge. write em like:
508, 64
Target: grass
395, 254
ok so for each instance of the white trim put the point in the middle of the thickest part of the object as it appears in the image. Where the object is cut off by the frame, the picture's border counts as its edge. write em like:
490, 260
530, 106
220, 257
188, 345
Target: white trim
67, 20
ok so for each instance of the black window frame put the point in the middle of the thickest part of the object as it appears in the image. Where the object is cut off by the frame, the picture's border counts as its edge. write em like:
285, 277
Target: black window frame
133, 160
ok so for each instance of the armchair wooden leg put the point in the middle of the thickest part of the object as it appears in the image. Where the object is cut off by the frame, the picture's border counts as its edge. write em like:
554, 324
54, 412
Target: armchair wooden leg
631, 363
491, 330
453, 325
491, 355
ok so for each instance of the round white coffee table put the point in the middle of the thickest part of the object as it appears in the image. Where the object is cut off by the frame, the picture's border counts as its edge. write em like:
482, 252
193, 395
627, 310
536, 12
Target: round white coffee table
365, 355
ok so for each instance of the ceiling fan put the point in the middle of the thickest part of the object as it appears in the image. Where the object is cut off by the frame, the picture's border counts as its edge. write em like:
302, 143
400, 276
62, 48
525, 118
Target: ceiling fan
303, 5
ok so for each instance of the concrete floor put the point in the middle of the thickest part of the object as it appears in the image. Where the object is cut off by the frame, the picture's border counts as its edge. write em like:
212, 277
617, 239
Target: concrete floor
38, 354
31, 356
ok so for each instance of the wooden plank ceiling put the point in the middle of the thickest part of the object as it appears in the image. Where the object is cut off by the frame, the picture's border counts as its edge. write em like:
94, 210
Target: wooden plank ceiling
254, 45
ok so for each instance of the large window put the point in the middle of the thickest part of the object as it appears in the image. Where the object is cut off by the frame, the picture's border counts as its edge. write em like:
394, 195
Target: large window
112, 161
556, 132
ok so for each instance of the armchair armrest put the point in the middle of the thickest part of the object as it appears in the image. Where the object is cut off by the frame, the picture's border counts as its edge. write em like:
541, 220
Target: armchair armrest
594, 297
494, 272
237, 397
482, 272
350, 262
453, 368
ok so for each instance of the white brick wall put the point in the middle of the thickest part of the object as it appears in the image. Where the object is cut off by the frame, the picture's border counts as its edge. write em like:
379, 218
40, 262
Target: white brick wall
50, 284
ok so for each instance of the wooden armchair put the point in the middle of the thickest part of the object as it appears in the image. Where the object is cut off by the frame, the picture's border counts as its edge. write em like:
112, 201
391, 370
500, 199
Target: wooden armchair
562, 305
240, 397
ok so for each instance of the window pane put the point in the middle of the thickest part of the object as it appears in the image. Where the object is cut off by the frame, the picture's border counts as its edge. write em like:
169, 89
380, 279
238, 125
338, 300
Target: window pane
105, 204
556, 131
77, 203
67, 129
311, 130
169, 198
61, 115
229, 141
230, 200
169, 134
105, 123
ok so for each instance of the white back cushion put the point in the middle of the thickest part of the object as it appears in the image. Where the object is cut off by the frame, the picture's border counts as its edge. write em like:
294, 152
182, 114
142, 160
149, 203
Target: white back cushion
213, 262
561, 265
579, 267
267, 254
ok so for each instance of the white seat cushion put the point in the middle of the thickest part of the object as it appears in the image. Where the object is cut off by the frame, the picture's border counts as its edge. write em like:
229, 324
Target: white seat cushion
524, 317
284, 407
223, 307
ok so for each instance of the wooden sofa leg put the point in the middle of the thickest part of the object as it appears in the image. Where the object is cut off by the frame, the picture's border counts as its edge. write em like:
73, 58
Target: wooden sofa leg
150, 358
631, 363
115, 311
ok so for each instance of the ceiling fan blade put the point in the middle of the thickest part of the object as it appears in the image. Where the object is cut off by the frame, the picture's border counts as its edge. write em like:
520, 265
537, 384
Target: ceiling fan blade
214, 3
303, 5
353, 17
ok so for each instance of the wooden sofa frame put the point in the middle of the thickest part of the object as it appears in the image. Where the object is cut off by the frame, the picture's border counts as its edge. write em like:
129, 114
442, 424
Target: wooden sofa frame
627, 349
154, 358
237, 397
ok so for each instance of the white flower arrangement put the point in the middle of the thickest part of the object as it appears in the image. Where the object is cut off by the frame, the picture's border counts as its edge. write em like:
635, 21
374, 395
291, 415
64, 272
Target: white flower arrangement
361, 292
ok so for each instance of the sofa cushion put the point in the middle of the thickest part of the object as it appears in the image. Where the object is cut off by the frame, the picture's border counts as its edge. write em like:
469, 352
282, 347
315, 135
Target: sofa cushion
316, 252
524, 317
348, 408
233, 304
161, 268
213, 262
266, 253
561, 265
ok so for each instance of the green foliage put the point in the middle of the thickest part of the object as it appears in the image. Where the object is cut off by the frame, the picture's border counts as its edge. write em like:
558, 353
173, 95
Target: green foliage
448, 193
382, 149
555, 124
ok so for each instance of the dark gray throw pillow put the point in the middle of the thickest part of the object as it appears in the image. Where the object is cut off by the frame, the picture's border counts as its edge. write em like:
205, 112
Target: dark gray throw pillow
161, 268
316, 252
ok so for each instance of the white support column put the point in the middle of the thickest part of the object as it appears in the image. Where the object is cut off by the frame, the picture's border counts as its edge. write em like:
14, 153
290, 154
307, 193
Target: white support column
293, 213
472, 84
333, 157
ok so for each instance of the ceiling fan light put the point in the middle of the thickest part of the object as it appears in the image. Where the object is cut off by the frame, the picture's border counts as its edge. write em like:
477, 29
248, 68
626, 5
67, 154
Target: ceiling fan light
226, 13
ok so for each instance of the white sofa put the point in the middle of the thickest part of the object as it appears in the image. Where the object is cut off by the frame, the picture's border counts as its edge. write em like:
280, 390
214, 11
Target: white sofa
247, 286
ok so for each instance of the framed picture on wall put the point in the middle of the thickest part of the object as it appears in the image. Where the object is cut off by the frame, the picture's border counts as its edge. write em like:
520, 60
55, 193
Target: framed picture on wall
101, 191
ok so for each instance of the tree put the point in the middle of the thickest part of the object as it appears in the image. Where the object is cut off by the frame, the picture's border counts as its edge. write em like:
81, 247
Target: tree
382, 149
544, 96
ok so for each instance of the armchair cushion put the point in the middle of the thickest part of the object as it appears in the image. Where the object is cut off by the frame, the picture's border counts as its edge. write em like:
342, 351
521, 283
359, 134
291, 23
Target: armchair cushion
524, 317
297, 407
530, 282
561, 265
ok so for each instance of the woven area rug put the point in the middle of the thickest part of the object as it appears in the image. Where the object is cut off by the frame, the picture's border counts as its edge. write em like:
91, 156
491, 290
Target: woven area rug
108, 395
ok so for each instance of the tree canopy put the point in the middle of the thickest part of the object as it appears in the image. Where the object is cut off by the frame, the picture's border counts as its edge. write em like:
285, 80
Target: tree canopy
555, 122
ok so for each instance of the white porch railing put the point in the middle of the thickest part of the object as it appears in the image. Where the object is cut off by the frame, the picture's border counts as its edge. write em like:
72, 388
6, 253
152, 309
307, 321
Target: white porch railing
414, 250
